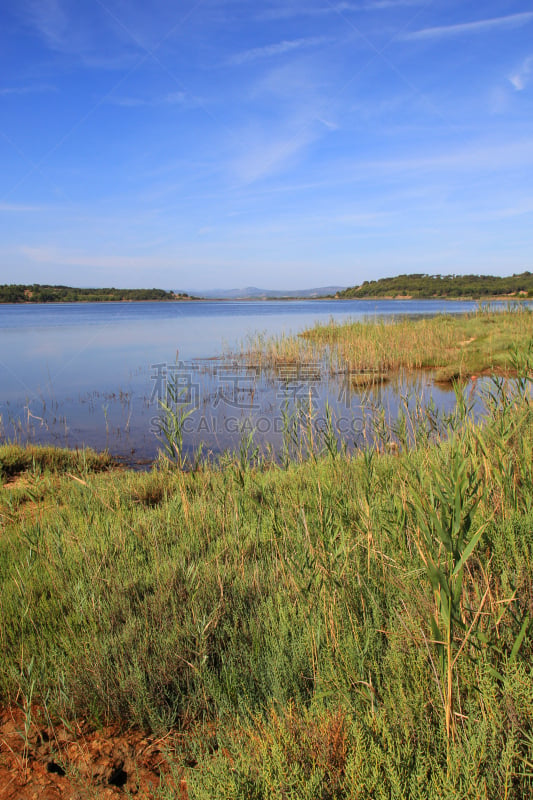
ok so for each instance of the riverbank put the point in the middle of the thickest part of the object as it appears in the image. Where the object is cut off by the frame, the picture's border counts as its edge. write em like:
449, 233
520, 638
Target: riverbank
336, 627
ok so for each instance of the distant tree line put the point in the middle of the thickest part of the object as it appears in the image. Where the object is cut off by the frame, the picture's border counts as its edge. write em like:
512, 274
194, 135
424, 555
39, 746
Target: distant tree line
427, 286
37, 293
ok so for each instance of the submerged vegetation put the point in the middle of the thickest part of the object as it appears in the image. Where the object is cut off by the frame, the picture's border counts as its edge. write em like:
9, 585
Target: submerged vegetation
332, 626
37, 293
452, 286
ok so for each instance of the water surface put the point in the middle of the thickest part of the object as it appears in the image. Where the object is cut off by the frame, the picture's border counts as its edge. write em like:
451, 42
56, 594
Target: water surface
92, 374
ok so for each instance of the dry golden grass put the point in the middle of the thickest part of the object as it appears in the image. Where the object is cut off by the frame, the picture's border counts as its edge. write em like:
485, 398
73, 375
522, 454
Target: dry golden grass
454, 346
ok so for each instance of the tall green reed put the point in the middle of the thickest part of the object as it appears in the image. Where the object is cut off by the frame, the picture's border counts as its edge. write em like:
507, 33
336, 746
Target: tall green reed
445, 509
174, 412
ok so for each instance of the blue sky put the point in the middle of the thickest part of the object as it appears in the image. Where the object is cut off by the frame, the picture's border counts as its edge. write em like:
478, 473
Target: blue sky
224, 143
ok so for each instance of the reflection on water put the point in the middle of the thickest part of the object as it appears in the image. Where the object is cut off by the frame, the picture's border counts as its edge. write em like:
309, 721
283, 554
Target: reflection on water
93, 374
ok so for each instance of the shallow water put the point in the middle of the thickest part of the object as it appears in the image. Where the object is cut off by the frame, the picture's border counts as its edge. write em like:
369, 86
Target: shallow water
92, 374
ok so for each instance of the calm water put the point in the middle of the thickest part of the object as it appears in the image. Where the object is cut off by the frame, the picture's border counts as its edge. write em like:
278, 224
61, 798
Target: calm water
91, 374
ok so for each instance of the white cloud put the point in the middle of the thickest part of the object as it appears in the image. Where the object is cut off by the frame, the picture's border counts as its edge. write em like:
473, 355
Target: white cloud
521, 77
479, 26
277, 49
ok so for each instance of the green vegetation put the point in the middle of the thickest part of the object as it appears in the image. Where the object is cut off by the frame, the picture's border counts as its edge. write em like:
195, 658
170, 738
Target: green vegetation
333, 627
15, 459
427, 286
18, 293
453, 346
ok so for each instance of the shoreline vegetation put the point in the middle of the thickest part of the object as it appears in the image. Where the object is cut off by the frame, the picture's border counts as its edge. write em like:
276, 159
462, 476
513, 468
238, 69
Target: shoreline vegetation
451, 346
402, 287
37, 293
452, 287
333, 626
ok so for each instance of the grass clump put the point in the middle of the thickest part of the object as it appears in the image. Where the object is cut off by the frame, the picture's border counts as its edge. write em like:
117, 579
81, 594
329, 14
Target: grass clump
16, 459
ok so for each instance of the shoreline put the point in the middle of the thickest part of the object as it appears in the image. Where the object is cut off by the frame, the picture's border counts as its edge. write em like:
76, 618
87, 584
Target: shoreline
463, 299
436, 351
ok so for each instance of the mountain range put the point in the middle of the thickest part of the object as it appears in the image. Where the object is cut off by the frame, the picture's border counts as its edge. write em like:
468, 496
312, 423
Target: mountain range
253, 293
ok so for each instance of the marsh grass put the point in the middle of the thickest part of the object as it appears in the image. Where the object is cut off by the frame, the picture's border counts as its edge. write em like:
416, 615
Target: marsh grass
16, 459
327, 626
453, 347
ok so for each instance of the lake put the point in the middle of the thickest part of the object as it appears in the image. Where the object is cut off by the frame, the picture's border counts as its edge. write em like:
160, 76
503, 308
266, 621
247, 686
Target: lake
93, 374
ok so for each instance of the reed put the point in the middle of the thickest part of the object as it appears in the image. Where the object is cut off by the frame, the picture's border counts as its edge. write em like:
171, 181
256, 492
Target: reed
454, 347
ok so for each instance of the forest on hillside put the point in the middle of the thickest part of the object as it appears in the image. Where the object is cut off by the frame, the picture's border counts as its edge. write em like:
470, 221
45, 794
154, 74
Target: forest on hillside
37, 293
426, 286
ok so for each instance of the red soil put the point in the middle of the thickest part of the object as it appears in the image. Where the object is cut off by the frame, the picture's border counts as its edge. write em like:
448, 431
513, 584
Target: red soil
73, 763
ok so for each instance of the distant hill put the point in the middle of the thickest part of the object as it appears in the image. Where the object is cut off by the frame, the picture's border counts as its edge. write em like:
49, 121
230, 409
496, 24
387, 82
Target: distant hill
253, 293
428, 286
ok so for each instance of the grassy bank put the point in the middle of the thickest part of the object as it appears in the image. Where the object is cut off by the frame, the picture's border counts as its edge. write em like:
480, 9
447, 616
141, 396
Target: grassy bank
342, 627
453, 346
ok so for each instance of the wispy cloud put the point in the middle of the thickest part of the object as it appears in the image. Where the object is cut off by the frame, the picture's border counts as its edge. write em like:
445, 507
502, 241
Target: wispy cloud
499, 100
303, 113
484, 157
510, 212
17, 207
49, 20
364, 220
19, 90
170, 99
72, 258
287, 12
481, 158
379, 4
276, 49
197, 255
330, 125
522, 76
76, 31
479, 26
265, 158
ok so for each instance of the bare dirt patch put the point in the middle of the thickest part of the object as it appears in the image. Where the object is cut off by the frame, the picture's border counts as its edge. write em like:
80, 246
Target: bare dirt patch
43, 762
